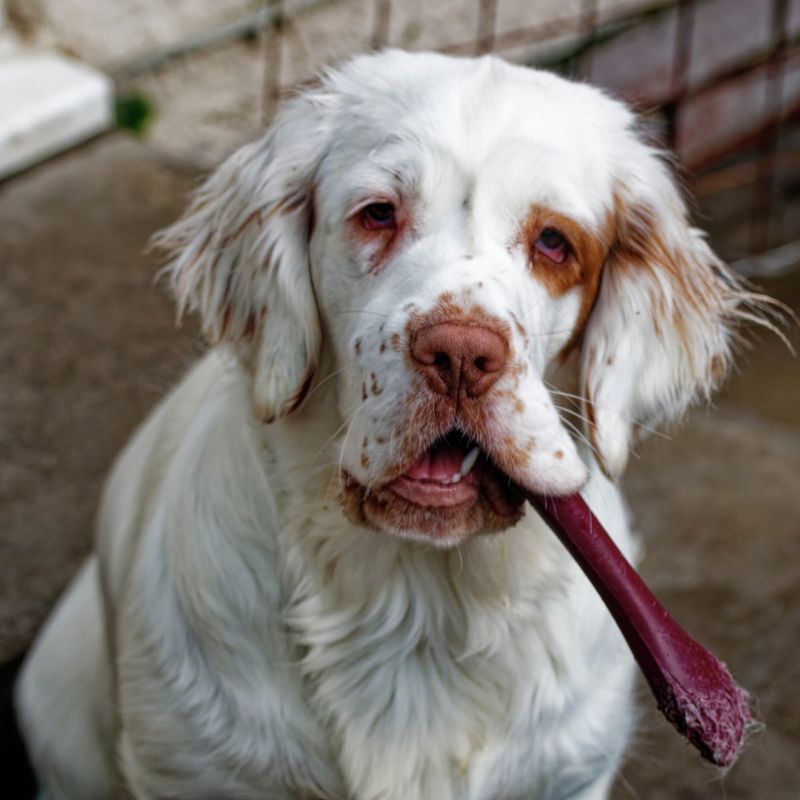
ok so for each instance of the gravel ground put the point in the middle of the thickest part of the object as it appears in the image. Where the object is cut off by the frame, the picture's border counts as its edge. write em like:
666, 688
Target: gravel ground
88, 345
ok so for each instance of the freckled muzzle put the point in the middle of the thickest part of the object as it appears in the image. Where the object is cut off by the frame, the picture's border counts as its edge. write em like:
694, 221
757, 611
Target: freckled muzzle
451, 491
463, 444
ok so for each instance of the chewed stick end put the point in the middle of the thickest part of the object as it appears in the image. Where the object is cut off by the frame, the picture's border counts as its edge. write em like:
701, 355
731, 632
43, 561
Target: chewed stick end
716, 721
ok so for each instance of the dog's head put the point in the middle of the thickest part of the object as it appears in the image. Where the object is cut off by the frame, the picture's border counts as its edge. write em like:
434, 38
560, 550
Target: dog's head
452, 234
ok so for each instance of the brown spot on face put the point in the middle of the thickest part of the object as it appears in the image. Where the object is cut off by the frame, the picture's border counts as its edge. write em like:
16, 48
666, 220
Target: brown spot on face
380, 439
519, 406
512, 456
365, 443
584, 258
365, 461
609, 361
448, 309
383, 347
395, 342
364, 391
357, 347
559, 454
581, 267
374, 387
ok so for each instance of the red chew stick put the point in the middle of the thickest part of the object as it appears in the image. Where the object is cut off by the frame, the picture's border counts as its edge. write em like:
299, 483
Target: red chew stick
693, 689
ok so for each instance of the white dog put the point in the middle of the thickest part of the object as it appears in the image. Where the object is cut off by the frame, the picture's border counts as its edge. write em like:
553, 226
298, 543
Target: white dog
315, 576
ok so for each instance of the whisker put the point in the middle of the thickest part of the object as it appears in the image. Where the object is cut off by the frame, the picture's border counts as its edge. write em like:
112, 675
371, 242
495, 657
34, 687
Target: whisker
552, 389
330, 439
324, 381
581, 436
350, 427
580, 398
556, 332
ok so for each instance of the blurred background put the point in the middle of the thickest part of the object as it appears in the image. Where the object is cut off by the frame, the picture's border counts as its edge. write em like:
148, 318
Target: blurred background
112, 110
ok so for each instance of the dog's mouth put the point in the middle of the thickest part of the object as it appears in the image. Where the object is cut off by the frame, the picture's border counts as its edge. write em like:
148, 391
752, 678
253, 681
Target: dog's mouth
454, 471
449, 491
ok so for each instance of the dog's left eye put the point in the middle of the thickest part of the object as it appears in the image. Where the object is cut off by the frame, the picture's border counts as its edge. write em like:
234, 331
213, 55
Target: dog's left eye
552, 245
378, 216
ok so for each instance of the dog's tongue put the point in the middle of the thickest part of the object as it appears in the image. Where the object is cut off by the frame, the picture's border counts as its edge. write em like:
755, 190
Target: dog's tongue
439, 463
693, 688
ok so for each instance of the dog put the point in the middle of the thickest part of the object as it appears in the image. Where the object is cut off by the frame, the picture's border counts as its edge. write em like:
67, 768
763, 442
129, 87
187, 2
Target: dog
434, 284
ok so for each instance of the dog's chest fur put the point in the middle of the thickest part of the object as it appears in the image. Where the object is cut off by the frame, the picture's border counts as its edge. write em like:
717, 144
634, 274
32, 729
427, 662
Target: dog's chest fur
346, 663
452, 675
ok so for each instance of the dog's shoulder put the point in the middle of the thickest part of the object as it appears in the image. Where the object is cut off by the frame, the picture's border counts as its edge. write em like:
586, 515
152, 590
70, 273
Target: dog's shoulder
164, 447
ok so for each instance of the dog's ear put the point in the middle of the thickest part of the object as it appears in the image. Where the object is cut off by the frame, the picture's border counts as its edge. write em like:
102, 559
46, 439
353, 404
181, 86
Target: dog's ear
661, 333
240, 255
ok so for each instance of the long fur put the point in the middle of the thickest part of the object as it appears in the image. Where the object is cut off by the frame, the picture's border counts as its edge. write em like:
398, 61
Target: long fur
246, 629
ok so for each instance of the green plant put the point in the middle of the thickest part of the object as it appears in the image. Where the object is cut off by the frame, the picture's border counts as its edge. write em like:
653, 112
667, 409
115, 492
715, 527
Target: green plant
134, 112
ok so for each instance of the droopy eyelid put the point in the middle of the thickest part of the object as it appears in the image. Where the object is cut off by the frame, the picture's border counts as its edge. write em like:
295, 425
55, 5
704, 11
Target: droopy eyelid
365, 201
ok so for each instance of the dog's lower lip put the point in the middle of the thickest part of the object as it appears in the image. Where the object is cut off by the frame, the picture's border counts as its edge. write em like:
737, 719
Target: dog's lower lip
433, 494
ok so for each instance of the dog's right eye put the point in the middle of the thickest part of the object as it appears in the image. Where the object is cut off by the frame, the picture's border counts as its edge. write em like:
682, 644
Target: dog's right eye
378, 216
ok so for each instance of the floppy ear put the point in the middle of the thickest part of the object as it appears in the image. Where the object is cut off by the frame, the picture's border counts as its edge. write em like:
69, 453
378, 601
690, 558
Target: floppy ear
240, 256
661, 333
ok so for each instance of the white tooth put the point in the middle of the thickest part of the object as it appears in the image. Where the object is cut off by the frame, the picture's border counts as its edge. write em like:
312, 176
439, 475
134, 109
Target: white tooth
469, 461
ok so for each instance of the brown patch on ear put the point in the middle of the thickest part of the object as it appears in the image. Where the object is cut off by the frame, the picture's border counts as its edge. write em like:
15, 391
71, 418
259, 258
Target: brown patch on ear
297, 398
251, 323
639, 244
292, 203
591, 432
248, 221
226, 321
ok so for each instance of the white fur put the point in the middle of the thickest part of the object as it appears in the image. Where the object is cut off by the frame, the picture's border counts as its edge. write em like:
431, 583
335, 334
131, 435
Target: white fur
254, 642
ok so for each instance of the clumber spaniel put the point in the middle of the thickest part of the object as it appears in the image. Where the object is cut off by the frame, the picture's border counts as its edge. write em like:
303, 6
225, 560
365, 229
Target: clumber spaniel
433, 281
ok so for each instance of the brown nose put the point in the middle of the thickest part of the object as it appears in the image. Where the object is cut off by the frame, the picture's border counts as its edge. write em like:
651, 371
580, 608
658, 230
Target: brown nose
459, 358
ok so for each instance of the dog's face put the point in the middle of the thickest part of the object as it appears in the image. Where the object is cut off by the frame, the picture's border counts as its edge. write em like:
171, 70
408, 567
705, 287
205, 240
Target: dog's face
450, 233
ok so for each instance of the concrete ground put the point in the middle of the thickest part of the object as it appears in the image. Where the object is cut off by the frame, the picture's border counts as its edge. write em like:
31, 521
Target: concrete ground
88, 345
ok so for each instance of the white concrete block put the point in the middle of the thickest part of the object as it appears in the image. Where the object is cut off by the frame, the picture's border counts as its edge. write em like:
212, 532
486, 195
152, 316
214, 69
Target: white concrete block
48, 103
